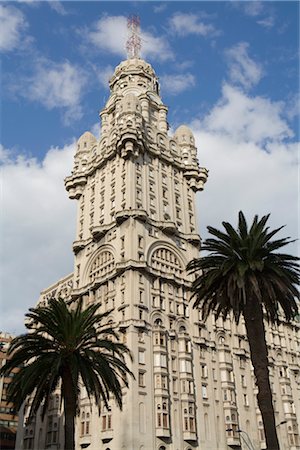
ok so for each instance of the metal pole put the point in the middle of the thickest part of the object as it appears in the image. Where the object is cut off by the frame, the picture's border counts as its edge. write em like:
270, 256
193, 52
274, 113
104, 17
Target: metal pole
249, 444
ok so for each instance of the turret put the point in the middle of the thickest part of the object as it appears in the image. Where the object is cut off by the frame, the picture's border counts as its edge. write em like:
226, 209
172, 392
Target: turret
186, 142
195, 175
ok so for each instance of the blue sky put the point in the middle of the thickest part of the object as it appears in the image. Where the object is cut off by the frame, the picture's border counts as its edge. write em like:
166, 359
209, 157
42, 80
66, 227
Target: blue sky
228, 69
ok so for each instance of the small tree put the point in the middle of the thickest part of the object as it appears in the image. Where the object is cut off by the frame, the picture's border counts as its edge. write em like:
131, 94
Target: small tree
242, 274
68, 345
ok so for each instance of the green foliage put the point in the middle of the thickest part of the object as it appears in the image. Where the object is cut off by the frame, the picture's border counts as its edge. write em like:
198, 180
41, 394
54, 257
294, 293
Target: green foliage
66, 337
242, 266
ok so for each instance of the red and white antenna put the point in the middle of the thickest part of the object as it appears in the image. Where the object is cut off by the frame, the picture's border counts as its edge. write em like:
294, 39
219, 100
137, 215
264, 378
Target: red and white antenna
133, 45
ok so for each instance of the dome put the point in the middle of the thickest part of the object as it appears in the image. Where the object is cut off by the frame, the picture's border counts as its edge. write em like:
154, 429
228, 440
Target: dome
134, 65
131, 73
86, 141
184, 135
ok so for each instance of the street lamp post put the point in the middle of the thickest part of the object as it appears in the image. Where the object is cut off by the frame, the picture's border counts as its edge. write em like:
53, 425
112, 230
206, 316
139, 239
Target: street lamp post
248, 442
281, 423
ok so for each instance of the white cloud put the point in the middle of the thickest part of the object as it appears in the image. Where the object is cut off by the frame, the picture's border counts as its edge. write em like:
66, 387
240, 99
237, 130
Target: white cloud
57, 6
56, 85
242, 69
177, 83
38, 222
184, 24
104, 74
252, 167
252, 8
160, 7
155, 47
110, 34
293, 106
12, 26
268, 22
247, 119
95, 130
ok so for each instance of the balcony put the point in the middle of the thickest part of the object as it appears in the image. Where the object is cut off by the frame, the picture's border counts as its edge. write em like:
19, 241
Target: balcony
123, 215
189, 436
168, 226
74, 185
85, 441
163, 432
107, 435
234, 442
194, 239
77, 246
99, 231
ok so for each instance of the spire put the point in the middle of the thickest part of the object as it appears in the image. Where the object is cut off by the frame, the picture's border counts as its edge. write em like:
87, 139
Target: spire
133, 45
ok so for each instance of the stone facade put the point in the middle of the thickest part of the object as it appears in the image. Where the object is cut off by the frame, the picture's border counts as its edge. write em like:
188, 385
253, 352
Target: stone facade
136, 231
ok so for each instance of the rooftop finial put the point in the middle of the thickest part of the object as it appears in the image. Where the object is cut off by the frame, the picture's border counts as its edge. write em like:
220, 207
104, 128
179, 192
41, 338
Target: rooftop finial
133, 44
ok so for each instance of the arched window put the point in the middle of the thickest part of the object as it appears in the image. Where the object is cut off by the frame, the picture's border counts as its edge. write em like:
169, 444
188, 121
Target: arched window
221, 340
166, 261
103, 264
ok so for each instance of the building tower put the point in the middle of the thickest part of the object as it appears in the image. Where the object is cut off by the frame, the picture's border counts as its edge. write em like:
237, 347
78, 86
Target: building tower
194, 385
136, 232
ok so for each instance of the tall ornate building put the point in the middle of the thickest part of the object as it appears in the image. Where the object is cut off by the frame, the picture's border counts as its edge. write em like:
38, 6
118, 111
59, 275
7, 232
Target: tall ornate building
194, 386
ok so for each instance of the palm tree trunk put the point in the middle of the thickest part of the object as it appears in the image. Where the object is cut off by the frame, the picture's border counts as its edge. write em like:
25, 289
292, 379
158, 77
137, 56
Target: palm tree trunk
69, 409
253, 315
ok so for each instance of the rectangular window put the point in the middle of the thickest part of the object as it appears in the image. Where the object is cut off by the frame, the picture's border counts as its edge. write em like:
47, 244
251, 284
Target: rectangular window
204, 391
141, 379
173, 363
165, 420
192, 424
186, 424
141, 356
214, 374
175, 388
159, 419
160, 360
140, 241
185, 366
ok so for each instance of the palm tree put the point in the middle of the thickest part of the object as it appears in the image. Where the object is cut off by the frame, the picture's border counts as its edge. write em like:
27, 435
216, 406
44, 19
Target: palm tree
68, 345
244, 275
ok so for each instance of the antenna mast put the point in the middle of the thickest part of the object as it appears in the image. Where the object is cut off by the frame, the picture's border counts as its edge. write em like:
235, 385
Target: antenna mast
133, 45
